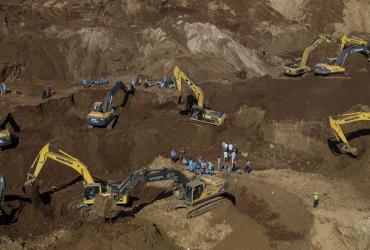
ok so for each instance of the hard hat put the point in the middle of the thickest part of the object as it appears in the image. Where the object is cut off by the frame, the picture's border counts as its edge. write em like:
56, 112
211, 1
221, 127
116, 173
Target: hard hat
316, 193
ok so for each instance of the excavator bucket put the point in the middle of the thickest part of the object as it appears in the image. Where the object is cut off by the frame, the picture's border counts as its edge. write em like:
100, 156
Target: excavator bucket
349, 150
32, 191
105, 208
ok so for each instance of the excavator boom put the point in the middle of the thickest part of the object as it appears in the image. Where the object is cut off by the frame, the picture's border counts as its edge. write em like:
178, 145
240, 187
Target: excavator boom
51, 152
107, 205
198, 113
335, 123
150, 175
198, 92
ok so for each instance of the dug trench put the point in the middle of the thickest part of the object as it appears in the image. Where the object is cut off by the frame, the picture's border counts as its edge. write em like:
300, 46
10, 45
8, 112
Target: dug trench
150, 125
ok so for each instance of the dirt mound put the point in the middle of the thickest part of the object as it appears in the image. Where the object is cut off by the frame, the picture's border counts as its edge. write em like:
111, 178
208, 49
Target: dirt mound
225, 46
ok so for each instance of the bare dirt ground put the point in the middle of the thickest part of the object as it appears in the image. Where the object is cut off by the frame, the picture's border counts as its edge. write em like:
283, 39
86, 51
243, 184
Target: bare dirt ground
279, 122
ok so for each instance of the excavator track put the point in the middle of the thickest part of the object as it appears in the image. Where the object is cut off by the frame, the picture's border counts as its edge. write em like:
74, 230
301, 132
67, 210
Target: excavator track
203, 207
197, 209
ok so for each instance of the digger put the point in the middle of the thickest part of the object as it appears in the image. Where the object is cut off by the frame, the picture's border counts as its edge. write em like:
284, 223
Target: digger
199, 195
299, 66
107, 196
102, 114
199, 112
7, 129
335, 65
335, 123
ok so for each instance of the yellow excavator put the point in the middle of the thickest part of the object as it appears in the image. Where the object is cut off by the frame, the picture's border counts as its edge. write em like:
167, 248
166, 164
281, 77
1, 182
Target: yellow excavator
299, 66
199, 195
102, 114
199, 112
335, 123
347, 40
91, 187
107, 196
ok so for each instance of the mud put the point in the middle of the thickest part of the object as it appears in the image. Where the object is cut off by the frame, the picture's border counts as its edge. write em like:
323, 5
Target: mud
235, 50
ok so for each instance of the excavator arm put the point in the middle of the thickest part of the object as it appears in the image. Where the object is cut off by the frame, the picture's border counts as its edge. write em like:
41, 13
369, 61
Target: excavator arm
322, 38
150, 175
108, 98
351, 50
335, 123
347, 39
198, 92
53, 153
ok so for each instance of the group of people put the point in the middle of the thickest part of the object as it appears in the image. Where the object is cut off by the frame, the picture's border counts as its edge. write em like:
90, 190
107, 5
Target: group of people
230, 153
198, 166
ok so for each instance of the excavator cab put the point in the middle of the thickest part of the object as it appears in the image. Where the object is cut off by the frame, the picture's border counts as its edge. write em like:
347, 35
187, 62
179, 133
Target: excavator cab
199, 195
98, 107
201, 189
5, 138
194, 192
90, 192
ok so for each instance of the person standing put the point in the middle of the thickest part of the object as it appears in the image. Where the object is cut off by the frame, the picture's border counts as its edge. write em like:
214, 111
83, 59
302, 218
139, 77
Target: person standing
316, 200
173, 155
233, 155
218, 164
233, 162
230, 149
226, 157
248, 167
225, 146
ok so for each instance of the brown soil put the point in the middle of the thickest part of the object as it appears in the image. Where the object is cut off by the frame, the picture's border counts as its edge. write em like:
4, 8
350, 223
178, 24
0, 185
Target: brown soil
279, 123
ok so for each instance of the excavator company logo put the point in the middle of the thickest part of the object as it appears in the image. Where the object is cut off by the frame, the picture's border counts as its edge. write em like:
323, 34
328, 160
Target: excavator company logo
156, 178
188, 82
357, 50
352, 119
64, 160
